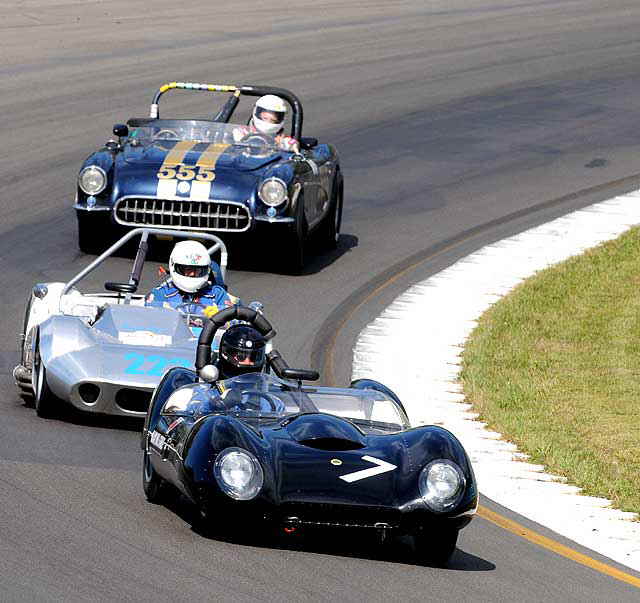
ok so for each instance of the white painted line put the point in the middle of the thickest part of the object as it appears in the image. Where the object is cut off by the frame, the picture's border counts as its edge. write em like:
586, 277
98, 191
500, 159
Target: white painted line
431, 321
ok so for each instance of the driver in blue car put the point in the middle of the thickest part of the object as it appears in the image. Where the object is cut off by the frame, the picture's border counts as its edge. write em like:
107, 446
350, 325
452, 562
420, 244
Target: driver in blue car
268, 117
192, 284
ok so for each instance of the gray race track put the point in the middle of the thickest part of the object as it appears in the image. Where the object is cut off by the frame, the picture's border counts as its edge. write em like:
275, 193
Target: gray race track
449, 115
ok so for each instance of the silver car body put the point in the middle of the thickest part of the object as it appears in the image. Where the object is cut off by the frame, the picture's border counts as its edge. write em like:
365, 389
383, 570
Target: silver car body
104, 352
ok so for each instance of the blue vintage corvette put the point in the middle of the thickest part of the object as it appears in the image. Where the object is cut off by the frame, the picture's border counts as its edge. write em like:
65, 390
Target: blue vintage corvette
198, 174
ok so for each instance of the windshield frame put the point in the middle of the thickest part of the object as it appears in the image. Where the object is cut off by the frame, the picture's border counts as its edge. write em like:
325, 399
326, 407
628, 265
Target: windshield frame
198, 131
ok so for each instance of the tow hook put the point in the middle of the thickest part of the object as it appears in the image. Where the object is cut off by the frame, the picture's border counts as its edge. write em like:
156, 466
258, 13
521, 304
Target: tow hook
291, 525
382, 530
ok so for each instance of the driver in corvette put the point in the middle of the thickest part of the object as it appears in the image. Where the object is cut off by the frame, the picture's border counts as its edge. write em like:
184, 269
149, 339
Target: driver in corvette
268, 117
191, 282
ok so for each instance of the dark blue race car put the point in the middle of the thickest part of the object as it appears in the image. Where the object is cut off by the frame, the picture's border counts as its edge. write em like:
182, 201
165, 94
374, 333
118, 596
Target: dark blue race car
261, 450
214, 176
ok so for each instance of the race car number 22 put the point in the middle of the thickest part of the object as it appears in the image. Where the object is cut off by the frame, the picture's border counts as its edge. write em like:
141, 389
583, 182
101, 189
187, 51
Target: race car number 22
152, 365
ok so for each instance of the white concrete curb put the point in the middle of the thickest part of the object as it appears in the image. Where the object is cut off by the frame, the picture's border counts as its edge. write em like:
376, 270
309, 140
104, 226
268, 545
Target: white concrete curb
429, 324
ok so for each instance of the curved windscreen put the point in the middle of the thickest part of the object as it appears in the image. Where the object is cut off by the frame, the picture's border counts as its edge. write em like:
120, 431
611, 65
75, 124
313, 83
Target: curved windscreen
158, 131
259, 395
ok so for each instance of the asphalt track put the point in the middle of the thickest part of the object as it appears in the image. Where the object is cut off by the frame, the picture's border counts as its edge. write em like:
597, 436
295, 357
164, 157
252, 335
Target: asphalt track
458, 122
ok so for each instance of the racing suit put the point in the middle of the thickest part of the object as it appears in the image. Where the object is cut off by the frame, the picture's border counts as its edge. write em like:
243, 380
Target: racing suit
206, 301
283, 142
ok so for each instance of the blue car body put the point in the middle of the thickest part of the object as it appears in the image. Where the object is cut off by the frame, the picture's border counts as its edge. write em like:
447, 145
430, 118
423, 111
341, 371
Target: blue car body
193, 174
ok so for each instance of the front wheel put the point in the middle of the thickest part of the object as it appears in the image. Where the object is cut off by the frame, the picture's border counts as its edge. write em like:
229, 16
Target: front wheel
45, 401
295, 243
153, 485
435, 547
91, 232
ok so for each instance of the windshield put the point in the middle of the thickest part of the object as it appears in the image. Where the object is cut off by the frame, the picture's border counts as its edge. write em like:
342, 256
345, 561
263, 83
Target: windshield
260, 395
200, 131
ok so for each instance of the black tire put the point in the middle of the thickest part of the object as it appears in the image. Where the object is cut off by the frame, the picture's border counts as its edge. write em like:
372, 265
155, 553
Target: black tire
295, 244
435, 547
45, 402
91, 233
329, 231
155, 488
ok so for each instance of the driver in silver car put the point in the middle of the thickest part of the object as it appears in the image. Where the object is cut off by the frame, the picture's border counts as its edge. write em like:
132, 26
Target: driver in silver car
268, 117
192, 283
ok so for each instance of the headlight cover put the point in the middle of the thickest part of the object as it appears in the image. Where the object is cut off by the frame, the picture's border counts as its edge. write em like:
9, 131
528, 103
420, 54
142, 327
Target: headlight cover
238, 473
441, 485
92, 180
273, 192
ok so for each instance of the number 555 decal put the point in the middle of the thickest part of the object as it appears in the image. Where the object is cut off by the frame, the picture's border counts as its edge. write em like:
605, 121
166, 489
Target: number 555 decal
152, 365
186, 172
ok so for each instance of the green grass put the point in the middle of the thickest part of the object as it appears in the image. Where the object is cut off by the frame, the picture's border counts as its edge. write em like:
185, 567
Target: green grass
555, 367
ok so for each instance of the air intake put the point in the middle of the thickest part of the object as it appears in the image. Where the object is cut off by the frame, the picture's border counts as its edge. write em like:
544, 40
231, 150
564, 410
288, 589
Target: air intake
133, 400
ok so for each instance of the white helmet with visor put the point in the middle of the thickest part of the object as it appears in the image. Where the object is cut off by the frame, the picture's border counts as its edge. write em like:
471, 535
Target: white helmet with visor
269, 113
189, 265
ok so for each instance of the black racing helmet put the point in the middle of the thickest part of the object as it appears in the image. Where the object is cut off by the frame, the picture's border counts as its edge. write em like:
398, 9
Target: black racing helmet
242, 350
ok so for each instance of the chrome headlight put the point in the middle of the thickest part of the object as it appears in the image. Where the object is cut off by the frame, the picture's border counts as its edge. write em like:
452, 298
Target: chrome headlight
238, 473
273, 192
92, 180
441, 485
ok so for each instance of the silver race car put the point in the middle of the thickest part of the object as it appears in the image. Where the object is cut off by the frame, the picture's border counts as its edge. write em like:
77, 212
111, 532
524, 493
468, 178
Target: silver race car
105, 352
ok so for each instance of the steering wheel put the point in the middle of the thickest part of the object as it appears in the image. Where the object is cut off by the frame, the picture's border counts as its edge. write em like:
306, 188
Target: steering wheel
255, 398
194, 312
166, 134
257, 145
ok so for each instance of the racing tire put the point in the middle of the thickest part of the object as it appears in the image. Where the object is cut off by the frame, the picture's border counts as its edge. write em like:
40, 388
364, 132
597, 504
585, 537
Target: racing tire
435, 547
91, 238
294, 249
155, 488
329, 231
45, 402
26, 385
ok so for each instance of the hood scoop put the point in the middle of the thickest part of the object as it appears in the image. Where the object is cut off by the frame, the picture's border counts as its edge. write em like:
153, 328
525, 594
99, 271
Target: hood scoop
325, 432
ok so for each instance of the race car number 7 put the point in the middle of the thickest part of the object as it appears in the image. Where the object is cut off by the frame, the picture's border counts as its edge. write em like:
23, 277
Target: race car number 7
186, 172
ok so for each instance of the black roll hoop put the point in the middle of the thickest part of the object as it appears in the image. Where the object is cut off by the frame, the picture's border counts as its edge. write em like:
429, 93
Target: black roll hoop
255, 319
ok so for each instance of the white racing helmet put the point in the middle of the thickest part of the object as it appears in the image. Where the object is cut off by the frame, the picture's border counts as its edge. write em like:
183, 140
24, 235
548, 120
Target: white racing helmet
268, 114
189, 265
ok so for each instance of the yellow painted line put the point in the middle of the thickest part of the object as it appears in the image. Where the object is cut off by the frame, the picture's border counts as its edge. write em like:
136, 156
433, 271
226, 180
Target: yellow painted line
483, 512
211, 154
176, 154
551, 545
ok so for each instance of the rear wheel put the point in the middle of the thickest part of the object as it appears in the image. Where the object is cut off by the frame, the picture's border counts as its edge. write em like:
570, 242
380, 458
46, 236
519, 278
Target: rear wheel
329, 231
155, 488
435, 547
45, 401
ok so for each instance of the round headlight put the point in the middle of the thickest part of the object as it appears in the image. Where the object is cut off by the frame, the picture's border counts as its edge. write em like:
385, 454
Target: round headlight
273, 192
92, 180
441, 485
238, 473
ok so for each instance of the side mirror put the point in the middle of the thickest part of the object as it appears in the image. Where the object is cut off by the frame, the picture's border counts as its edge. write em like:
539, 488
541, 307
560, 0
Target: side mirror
121, 130
307, 143
209, 373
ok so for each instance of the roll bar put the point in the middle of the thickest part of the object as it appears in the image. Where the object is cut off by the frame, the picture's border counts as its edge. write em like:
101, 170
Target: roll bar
218, 244
290, 97
217, 321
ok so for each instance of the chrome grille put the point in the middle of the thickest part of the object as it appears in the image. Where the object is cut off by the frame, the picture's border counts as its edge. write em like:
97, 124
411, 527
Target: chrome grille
225, 216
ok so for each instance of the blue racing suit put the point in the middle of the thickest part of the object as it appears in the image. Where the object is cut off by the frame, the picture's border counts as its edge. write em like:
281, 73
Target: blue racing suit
206, 301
